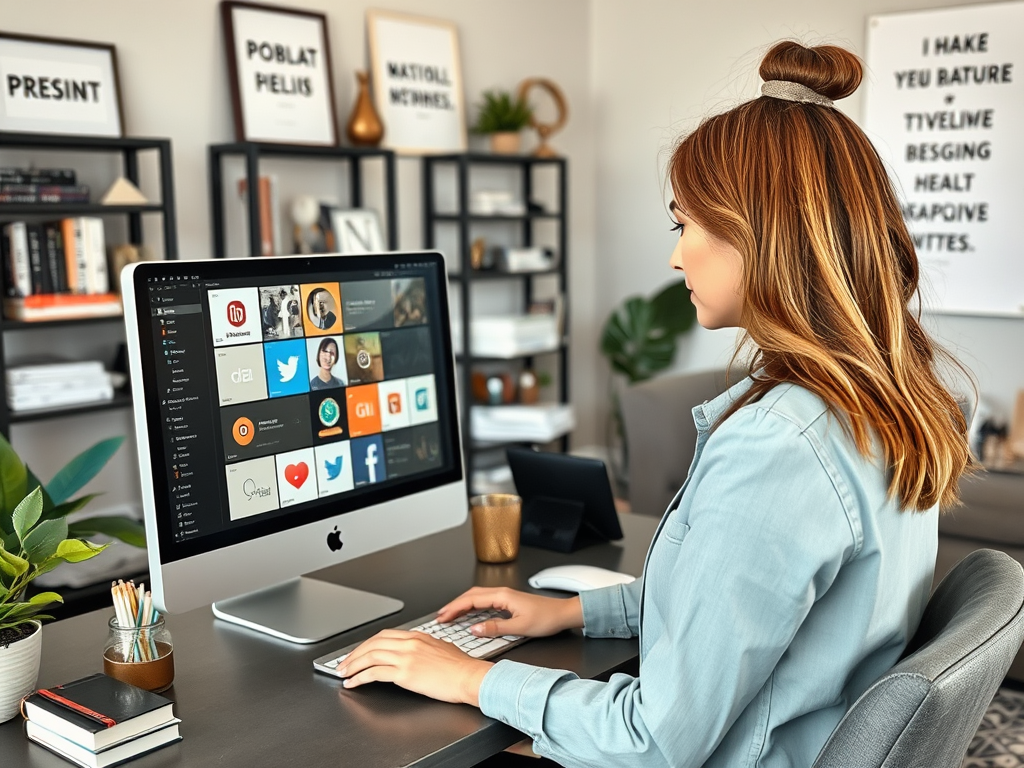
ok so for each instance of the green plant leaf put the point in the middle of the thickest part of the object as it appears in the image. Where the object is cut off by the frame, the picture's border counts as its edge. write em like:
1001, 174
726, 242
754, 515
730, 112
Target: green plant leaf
672, 308
76, 550
32, 606
19, 564
34, 482
499, 111
41, 544
19, 622
63, 510
27, 514
127, 530
81, 469
13, 482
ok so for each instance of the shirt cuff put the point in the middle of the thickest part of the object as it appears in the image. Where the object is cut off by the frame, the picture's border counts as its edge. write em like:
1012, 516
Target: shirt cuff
517, 694
604, 612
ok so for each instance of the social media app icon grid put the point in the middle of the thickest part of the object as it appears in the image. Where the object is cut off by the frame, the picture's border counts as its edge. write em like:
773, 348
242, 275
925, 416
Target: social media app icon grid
248, 372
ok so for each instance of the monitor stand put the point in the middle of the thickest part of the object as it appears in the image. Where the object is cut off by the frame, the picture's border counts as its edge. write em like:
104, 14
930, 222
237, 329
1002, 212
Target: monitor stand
305, 610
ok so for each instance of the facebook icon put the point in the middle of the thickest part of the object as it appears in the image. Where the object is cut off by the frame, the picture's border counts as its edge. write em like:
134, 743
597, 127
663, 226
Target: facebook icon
368, 460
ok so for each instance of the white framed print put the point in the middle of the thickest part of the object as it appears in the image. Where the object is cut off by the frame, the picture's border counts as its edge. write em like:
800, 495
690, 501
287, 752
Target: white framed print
356, 231
279, 64
51, 85
417, 83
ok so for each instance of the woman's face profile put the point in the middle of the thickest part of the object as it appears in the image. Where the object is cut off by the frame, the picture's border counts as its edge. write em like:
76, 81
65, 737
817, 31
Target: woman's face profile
714, 273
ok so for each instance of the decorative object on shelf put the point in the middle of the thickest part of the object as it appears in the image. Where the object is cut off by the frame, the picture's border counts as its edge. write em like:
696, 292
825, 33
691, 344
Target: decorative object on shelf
477, 253
502, 117
279, 63
493, 389
267, 210
531, 258
357, 231
124, 254
364, 128
417, 82
35, 538
53, 85
545, 129
306, 232
639, 339
123, 192
529, 387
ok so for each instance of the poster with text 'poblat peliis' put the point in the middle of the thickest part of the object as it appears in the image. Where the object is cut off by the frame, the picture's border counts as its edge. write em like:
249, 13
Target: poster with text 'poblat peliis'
945, 109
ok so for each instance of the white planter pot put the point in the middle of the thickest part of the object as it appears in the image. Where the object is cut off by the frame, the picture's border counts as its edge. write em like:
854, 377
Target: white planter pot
19, 670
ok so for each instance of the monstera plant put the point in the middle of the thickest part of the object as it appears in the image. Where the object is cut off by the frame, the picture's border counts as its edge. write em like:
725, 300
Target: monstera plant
36, 537
639, 339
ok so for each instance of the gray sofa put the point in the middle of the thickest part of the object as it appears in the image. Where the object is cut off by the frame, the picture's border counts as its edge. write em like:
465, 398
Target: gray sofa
660, 436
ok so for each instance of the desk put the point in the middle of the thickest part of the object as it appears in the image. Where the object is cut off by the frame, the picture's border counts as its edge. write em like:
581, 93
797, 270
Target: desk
247, 699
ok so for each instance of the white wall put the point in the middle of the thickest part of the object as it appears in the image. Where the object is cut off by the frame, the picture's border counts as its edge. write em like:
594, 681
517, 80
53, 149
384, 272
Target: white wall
174, 84
660, 66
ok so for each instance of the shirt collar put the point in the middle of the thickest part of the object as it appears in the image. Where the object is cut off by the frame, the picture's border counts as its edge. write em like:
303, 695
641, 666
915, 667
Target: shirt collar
706, 415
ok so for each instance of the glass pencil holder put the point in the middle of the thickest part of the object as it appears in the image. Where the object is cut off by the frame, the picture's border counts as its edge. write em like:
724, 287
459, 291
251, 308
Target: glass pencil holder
142, 656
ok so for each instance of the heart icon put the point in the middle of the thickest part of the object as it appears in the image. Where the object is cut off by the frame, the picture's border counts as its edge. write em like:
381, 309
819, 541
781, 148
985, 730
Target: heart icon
296, 474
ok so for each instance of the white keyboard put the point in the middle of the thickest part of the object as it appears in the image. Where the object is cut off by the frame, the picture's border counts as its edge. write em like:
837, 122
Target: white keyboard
456, 632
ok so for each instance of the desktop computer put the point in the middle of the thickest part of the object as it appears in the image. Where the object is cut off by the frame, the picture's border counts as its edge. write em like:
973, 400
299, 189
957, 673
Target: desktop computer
291, 413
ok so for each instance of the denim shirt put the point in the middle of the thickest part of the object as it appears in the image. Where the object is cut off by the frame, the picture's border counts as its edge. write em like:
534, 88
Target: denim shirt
781, 582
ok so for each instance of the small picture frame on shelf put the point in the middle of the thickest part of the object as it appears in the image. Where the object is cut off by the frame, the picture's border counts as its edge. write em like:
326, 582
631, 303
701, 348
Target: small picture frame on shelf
417, 82
356, 231
53, 85
279, 64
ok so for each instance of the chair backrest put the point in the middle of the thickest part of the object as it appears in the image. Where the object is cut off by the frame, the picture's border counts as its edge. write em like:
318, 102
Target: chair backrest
660, 436
925, 710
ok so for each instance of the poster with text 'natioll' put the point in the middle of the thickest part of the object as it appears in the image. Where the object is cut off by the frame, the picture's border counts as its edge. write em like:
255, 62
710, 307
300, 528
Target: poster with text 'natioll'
945, 108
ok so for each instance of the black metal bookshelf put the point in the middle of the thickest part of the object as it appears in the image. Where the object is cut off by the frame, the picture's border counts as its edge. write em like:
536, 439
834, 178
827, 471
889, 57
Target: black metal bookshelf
252, 152
465, 220
128, 149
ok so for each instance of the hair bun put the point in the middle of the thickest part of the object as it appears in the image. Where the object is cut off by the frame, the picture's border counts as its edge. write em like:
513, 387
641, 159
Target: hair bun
825, 69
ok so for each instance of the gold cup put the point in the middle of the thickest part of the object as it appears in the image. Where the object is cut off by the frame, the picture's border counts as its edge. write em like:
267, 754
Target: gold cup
497, 518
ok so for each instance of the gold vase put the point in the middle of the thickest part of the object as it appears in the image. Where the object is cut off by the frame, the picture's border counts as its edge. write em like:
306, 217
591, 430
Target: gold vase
364, 127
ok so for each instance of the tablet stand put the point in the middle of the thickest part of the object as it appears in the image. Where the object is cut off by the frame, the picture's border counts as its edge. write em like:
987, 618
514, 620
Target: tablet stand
553, 524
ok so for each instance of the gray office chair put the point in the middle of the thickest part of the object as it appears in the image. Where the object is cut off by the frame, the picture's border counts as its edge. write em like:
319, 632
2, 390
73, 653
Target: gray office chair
925, 710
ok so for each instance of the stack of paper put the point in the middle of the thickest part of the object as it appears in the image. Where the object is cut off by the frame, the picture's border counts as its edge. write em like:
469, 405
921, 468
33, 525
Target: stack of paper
509, 335
51, 385
526, 423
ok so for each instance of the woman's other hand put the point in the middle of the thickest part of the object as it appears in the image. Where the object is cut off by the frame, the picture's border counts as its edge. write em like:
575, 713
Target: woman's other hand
531, 615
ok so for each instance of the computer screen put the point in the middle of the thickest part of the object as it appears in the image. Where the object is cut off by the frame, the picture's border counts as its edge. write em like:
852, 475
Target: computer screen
291, 413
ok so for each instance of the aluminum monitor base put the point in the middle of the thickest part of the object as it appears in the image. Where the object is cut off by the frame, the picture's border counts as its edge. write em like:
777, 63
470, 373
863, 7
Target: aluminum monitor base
305, 610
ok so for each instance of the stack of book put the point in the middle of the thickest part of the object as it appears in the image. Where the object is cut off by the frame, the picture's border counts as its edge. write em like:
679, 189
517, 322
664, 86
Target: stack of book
509, 336
42, 185
526, 423
52, 385
99, 721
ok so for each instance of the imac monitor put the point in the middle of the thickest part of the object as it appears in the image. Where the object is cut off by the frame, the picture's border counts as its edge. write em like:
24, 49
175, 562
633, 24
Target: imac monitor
291, 413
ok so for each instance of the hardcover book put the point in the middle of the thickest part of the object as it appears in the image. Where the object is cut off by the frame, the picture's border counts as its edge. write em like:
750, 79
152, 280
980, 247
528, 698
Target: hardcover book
112, 755
98, 711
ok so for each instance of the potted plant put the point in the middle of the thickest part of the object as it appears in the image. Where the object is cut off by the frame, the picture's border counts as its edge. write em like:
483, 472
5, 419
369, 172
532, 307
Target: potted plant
502, 116
639, 340
35, 537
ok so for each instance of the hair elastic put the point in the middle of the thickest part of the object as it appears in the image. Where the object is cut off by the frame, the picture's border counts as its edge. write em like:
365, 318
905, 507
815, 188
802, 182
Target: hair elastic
789, 91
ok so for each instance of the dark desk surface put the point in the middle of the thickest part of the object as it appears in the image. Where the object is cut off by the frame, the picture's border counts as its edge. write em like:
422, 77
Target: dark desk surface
247, 699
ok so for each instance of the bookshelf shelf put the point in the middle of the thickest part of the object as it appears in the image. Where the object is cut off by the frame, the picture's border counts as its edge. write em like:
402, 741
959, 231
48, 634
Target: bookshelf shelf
521, 231
120, 400
128, 151
252, 152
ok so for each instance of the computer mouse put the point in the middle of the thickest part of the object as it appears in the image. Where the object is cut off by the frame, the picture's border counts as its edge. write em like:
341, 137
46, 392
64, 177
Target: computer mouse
577, 578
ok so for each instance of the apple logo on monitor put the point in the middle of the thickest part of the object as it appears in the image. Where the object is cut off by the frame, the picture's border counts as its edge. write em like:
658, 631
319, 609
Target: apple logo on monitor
334, 540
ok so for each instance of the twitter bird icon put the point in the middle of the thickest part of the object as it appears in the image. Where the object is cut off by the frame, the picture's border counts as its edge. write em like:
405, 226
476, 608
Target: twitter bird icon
333, 468
287, 370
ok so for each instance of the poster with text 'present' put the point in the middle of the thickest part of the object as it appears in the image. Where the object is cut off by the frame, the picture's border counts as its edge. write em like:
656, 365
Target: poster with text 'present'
945, 108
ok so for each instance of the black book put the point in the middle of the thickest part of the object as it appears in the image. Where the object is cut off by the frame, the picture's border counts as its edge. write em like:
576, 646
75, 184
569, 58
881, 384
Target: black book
58, 176
41, 282
98, 711
55, 256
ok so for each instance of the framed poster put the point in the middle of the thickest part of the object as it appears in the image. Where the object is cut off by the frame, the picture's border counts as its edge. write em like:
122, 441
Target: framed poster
944, 106
417, 83
279, 63
59, 86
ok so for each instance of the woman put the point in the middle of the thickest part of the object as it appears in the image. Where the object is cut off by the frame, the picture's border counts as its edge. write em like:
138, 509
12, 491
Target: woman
326, 357
795, 562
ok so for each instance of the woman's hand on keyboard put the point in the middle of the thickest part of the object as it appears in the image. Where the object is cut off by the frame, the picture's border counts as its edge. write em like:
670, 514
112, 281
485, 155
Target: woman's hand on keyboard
419, 663
531, 615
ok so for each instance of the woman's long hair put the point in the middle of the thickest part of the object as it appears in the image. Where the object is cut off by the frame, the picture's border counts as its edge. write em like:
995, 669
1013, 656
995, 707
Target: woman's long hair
829, 269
